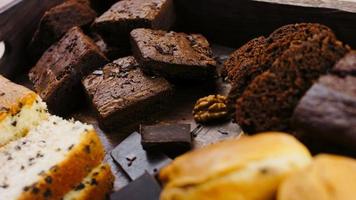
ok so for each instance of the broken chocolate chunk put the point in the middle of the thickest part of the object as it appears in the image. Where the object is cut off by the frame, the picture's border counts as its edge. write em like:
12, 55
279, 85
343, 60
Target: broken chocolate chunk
134, 160
145, 187
170, 138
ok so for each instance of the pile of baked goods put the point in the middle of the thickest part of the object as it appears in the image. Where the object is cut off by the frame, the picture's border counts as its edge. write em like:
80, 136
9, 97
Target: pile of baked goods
266, 166
125, 59
44, 156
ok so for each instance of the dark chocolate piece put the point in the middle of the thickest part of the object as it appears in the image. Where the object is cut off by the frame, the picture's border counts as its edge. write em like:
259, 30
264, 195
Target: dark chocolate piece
57, 75
121, 93
56, 22
173, 138
134, 160
144, 188
177, 56
328, 112
116, 23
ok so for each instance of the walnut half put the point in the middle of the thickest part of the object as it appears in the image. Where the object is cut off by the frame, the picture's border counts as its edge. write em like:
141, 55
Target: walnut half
211, 108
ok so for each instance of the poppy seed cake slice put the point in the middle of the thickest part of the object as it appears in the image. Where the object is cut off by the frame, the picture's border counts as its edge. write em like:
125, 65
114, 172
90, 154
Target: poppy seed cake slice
20, 110
52, 159
97, 185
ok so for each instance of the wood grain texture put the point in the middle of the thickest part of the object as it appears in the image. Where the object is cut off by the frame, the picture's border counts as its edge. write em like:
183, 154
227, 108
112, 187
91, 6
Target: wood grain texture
233, 23
18, 20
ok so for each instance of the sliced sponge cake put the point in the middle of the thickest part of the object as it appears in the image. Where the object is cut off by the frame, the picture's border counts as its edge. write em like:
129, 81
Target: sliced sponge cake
20, 110
96, 185
51, 160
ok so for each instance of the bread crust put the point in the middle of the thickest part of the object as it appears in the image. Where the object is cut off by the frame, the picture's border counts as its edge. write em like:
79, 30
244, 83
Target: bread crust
328, 177
98, 189
61, 178
234, 169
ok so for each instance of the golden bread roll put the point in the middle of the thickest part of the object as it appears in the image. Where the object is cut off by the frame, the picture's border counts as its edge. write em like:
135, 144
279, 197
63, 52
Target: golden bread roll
249, 168
329, 177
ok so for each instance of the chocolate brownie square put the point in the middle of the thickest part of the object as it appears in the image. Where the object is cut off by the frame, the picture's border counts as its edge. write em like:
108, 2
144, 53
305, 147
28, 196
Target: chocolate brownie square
121, 93
124, 16
57, 74
173, 55
56, 22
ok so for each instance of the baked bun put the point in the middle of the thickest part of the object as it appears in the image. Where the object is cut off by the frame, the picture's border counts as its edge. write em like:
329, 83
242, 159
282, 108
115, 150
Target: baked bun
329, 177
248, 168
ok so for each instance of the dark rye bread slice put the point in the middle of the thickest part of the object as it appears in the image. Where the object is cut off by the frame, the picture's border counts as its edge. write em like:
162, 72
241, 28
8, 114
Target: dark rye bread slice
56, 22
121, 93
257, 56
116, 24
176, 56
269, 100
56, 76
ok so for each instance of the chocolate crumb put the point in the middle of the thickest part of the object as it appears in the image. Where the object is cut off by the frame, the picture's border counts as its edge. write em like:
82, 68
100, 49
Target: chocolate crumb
87, 149
79, 187
35, 190
223, 132
47, 193
70, 147
48, 179
93, 182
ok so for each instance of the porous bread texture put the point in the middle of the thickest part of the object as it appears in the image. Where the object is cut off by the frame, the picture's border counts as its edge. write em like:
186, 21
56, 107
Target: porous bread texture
47, 163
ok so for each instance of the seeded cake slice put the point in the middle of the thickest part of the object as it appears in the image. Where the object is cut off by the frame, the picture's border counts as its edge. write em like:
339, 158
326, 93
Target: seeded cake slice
177, 56
52, 159
97, 185
20, 110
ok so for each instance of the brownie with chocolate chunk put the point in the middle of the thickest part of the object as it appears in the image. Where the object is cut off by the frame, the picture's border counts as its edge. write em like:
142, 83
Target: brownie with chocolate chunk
115, 24
56, 22
174, 55
121, 93
57, 74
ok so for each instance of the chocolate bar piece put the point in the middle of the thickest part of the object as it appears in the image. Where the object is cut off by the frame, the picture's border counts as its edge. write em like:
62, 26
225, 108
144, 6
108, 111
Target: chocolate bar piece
134, 160
177, 56
116, 23
167, 137
121, 93
144, 188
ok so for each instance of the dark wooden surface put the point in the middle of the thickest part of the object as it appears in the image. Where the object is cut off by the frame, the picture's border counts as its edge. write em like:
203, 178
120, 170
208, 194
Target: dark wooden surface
229, 22
233, 22
18, 21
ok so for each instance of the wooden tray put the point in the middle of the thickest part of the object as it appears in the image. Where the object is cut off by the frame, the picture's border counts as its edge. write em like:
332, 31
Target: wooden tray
224, 22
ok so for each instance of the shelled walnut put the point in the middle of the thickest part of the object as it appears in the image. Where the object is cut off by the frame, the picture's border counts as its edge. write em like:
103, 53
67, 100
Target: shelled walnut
211, 108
